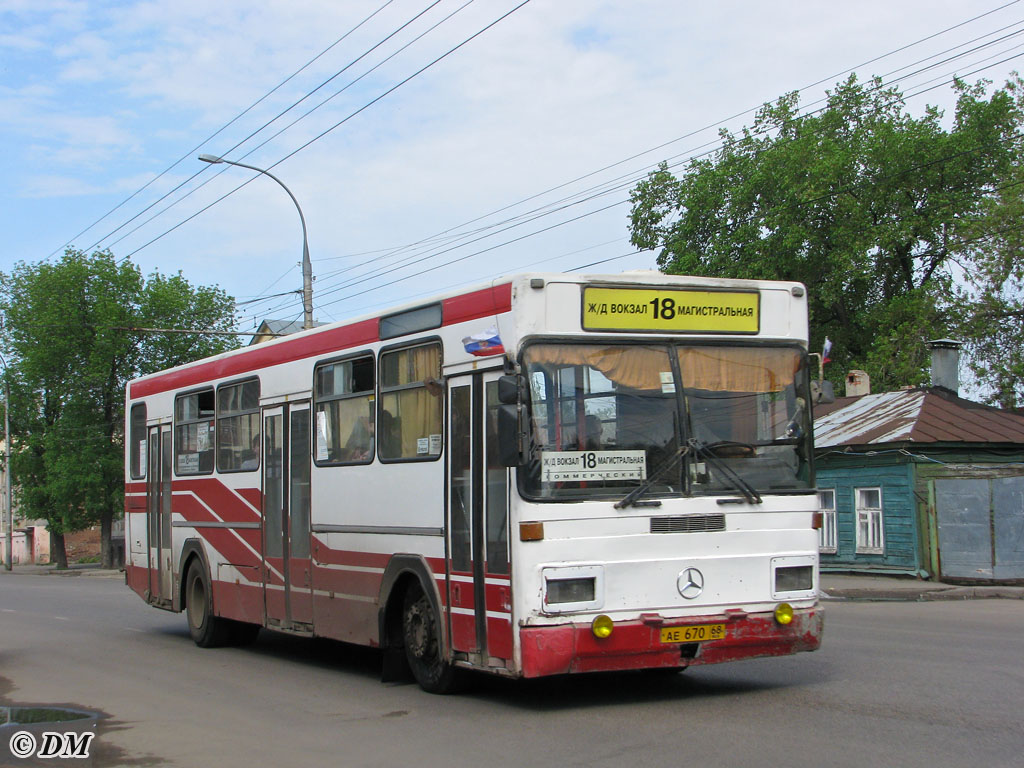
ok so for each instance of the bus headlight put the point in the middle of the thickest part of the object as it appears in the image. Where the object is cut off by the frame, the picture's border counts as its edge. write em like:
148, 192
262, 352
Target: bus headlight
602, 627
797, 578
784, 613
570, 590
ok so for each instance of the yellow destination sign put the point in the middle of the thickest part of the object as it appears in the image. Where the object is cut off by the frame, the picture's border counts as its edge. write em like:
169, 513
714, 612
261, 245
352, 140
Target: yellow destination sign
676, 311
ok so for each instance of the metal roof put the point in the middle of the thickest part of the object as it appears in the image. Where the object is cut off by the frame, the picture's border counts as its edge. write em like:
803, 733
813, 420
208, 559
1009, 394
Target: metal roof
270, 329
280, 327
925, 415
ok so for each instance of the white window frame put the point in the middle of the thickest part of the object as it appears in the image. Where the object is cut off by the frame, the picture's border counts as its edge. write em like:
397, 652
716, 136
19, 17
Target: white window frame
869, 523
828, 541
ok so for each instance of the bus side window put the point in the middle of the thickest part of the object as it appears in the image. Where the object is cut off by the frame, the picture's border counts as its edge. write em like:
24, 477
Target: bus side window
238, 426
137, 441
345, 425
411, 403
194, 433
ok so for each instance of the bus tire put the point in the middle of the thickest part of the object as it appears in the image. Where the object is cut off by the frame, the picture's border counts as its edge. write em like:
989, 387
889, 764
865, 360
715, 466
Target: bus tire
421, 637
207, 630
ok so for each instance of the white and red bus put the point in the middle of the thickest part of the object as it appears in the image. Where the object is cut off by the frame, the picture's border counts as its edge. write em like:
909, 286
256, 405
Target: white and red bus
549, 474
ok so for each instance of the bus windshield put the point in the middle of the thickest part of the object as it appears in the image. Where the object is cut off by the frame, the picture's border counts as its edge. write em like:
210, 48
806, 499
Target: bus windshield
693, 419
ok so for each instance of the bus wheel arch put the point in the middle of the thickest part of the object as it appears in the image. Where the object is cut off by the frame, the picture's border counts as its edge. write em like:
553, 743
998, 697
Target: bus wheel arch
413, 634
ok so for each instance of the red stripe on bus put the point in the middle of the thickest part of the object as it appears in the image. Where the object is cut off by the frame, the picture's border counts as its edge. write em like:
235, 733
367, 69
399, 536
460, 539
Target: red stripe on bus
231, 544
224, 501
458, 309
472, 306
231, 549
252, 495
358, 583
260, 356
324, 554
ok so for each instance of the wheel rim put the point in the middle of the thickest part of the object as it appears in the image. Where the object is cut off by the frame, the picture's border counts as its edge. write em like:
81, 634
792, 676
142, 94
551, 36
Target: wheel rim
420, 637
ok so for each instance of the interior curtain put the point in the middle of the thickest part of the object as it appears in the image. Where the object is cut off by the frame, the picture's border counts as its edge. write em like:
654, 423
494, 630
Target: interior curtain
422, 363
632, 367
738, 369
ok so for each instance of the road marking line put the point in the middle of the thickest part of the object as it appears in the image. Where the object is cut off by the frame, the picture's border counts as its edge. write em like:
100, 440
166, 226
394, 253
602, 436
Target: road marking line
62, 618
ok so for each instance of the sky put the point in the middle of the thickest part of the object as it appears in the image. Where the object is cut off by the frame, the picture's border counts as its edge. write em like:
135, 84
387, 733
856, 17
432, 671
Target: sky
430, 144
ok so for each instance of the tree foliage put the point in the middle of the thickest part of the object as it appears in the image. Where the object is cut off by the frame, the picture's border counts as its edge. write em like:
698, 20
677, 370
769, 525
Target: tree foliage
881, 214
70, 352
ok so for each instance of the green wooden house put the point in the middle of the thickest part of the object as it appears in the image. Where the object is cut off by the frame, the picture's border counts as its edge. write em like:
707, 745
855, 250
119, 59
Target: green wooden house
921, 482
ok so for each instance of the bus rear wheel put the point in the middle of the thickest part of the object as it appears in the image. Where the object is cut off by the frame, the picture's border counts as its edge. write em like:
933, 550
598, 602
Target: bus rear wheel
207, 630
421, 637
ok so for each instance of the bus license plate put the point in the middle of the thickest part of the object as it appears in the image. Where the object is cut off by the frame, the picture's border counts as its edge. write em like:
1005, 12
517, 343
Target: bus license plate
695, 634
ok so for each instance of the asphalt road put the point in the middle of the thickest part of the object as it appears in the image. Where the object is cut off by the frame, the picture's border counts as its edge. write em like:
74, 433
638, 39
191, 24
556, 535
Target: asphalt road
896, 684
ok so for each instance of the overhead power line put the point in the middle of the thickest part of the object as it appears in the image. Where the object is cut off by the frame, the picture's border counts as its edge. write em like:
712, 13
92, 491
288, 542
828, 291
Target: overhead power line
265, 125
216, 133
448, 232
447, 238
341, 122
622, 182
541, 212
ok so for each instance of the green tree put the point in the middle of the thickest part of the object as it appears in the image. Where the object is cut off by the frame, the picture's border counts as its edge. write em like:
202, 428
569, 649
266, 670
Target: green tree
875, 210
990, 295
70, 353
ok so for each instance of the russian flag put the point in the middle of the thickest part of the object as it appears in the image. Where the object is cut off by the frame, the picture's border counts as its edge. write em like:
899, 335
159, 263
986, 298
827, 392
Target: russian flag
826, 351
484, 344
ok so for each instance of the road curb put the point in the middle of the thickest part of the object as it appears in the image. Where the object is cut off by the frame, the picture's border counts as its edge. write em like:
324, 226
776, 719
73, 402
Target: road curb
925, 596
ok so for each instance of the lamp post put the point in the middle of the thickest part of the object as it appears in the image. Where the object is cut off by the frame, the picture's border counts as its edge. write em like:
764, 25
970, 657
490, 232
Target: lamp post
307, 267
8, 506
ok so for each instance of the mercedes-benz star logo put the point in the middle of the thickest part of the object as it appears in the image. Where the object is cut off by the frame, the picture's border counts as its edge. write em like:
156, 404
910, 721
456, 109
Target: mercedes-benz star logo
690, 583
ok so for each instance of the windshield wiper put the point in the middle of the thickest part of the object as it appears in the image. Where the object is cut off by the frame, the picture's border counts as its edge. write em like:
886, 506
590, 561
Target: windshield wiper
647, 484
702, 450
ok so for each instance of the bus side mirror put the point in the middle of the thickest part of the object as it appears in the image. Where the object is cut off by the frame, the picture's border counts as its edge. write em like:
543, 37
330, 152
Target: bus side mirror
508, 435
508, 390
822, 392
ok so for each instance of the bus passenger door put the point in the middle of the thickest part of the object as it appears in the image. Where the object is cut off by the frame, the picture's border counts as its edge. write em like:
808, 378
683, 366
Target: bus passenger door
158, 514
287, 581
479, 584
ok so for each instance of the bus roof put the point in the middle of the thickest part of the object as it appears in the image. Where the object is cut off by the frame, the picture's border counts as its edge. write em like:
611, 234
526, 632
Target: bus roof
457, 307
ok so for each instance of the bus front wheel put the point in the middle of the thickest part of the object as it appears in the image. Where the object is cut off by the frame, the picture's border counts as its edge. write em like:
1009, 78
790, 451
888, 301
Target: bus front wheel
421, 637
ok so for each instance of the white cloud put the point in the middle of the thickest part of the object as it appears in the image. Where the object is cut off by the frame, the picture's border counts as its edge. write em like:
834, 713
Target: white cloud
98, 93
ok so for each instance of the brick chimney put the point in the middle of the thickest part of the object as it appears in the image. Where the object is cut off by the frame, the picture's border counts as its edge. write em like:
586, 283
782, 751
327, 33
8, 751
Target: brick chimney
946, 364
858, 383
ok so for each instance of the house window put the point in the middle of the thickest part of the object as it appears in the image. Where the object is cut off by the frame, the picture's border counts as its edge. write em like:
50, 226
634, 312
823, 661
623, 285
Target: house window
827, 533
870, 537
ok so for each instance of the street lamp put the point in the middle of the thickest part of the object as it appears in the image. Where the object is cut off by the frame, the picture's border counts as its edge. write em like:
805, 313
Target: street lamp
9, 508
307, 267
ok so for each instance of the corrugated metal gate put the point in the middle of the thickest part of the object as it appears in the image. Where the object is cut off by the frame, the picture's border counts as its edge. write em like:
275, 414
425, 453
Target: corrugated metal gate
981, 527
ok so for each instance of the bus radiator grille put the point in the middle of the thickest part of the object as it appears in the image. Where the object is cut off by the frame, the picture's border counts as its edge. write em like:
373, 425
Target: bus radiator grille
688, 524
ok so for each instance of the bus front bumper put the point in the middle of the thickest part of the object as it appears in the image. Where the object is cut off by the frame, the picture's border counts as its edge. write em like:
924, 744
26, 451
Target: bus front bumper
566, 648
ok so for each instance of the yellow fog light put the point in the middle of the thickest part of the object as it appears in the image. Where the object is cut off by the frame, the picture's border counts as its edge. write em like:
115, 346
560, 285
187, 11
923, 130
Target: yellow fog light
784, 613
602, 627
